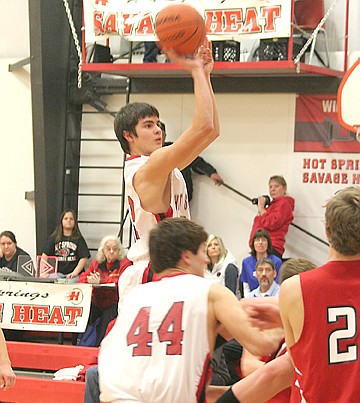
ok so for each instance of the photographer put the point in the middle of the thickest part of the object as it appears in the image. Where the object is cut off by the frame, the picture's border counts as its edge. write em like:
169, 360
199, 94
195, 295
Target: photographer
277, 216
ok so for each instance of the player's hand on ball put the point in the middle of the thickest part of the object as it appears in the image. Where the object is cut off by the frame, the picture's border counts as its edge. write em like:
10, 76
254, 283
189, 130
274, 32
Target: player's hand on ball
188, 63
205, 54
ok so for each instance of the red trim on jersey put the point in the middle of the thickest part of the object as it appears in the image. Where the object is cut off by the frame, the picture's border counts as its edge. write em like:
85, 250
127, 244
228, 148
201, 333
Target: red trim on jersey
156, 276
146, 275
132, 157
161, 216
204, 380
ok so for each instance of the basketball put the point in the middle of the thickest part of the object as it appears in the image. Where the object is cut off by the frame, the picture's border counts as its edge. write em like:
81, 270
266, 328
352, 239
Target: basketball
181, 27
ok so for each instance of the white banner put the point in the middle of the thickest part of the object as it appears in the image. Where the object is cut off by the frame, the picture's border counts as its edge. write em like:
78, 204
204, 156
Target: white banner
224, 19
44, 306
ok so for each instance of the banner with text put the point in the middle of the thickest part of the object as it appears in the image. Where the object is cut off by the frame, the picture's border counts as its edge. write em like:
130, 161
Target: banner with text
134, 19
326, 156
44, 306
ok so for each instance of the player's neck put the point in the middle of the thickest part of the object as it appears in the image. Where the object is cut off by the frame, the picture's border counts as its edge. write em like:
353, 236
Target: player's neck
335, 255
172, 272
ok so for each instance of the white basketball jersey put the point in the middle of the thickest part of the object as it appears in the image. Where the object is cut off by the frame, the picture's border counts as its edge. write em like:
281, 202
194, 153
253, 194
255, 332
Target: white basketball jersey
144, 221
158, 350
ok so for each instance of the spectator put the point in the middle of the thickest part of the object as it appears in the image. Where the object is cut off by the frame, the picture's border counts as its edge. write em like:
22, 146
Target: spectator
9, 251
69, 246
265, 273
270, 382
104, 269
222, 267
261, 247
151, 51
277, 217
201, 167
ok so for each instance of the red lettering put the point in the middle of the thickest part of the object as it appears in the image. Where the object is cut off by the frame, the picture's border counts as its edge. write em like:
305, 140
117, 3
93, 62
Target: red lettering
306, 163
270, 14
305, 177
251, 20
110, 24
102, 2
356, 179
145, 27
127, 27
233, 20
21, 313
40, 314
171, 331
213, 21
139, 334
98, 26
341, 163
73, 312
56, 317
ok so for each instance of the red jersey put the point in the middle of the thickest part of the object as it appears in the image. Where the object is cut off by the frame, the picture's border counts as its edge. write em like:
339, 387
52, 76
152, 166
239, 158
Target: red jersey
326, 356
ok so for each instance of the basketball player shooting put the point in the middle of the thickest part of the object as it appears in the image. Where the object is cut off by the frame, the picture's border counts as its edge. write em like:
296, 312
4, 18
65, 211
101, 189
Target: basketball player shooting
154, 185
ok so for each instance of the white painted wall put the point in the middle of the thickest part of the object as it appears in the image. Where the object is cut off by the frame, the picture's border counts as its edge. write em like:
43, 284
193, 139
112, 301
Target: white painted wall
17, 168
256, 142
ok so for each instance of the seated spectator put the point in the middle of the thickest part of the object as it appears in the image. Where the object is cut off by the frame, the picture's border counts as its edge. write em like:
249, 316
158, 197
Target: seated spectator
69, 246
265, 273
277, 216
222, 267
261, 247
9, 251
104, 269
268, 382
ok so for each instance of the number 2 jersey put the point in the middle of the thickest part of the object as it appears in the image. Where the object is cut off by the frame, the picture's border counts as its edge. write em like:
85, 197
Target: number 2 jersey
158, 350
326, 356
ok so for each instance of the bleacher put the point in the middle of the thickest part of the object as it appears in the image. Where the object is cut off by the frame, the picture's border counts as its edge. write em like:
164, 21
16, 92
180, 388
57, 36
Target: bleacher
35, 364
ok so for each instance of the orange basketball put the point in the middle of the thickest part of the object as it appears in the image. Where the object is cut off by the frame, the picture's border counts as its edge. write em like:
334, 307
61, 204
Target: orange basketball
181, 27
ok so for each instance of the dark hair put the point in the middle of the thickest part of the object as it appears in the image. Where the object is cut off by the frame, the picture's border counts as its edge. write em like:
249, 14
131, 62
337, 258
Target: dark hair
128, 117
265, 260
162, 127
294, 266
10, 235
261, 233
58, 232
342, 221
170, 238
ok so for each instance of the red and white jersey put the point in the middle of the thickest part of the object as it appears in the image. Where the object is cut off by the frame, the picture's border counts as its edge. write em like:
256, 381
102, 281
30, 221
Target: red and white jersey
326, 356
144, 221
158, 350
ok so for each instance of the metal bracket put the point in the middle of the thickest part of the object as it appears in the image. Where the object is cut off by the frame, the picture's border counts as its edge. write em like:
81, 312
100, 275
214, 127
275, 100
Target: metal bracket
20, 63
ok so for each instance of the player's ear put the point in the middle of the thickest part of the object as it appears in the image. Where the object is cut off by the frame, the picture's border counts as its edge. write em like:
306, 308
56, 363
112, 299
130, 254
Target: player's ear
186, 257
128, 136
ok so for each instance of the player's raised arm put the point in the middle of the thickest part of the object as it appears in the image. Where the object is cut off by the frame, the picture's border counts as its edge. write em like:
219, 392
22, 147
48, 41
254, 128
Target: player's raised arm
152, 179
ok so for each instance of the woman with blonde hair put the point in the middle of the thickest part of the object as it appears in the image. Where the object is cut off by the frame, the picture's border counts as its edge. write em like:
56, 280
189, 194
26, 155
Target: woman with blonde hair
104, 269
222, 267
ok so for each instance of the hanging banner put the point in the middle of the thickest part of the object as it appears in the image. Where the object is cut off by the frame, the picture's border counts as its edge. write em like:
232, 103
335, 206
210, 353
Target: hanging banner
317, 127
224, 19
44, 306
326, 156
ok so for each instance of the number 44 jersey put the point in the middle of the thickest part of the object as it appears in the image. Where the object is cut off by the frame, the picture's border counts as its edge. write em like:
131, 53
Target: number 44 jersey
326, 355
158, 350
